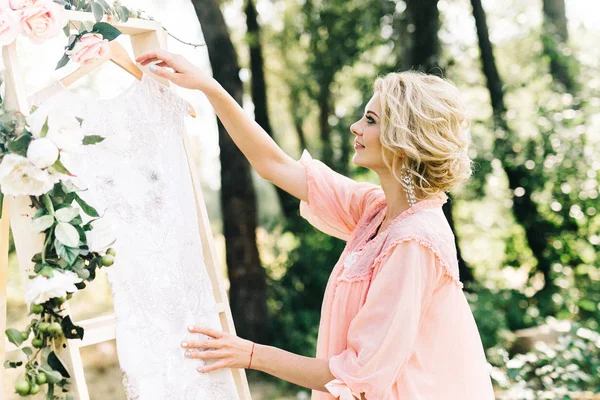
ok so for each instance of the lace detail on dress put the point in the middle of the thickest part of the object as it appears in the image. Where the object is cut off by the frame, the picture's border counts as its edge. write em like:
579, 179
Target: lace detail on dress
131, 389
139, 179
452, 274
424, 222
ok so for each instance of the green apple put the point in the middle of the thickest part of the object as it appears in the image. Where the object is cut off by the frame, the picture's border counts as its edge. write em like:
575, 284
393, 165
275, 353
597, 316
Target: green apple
55, 330
22, 387
37, 309
35, 389
43, 327
41, 378
107, 260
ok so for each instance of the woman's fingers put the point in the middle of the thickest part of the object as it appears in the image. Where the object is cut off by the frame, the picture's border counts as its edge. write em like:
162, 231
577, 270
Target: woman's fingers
214, 367
163, 72
206, 331
207, 355
158, 54
205, 344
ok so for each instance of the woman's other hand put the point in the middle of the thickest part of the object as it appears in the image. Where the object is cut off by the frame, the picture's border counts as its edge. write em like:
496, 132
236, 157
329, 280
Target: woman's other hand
177, 69
225, 349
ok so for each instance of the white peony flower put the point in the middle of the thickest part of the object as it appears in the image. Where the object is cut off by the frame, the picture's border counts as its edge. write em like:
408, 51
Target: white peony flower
102, 236
42, 152
19, 177
63, 129
41, 289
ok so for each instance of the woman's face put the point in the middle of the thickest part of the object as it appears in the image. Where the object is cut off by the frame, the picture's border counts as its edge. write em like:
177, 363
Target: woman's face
366, 142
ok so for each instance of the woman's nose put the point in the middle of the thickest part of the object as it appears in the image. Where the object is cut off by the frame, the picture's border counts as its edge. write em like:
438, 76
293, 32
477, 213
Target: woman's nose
355, 129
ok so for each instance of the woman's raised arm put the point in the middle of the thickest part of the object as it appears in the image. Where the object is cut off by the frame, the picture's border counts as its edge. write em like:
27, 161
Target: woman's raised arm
265, 156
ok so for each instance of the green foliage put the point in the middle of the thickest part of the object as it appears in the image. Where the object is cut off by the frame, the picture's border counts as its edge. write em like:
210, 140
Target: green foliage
295, 298
551, 371
498, 312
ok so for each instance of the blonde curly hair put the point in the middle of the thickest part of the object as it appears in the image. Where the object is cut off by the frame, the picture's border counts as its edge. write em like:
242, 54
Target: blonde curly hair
424, 129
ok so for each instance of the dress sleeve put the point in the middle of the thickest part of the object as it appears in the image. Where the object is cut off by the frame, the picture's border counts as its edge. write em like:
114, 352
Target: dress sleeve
382, 336
335, 202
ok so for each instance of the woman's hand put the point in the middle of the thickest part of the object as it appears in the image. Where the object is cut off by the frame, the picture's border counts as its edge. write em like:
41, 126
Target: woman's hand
177, 69
228, 351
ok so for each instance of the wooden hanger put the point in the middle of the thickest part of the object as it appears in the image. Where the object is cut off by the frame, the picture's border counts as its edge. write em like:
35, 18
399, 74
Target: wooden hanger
118, 55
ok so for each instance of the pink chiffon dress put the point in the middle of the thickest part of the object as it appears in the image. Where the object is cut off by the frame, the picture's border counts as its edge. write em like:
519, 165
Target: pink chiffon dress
395, 323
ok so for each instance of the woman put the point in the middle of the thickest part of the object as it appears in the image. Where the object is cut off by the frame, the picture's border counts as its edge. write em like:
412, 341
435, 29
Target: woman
395, 323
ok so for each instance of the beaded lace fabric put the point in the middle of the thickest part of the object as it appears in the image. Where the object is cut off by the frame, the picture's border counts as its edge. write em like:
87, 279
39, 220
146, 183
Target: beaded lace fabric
138, 179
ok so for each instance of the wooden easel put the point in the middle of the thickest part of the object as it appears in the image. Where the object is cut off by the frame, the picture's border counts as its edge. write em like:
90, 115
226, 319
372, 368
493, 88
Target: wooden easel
145, 36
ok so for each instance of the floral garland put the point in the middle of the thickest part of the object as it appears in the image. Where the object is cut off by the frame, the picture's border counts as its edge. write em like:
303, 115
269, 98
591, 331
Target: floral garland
31, 165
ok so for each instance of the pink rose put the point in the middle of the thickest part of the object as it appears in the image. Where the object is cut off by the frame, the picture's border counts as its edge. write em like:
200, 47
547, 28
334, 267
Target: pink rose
90, 47
43, 20
19, 4
9, 26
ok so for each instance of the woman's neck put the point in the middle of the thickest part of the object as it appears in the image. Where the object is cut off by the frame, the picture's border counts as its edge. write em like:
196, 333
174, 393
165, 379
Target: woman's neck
395, 196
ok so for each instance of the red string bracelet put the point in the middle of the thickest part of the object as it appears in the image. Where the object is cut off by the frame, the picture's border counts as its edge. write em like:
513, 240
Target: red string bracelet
251, 354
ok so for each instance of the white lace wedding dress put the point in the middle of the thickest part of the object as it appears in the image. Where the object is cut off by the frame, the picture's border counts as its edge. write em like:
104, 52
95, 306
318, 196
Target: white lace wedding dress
139, 178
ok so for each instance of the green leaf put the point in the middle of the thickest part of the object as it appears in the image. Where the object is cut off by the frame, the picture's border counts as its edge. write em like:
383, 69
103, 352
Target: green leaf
71, 41
80, 120
104, 5
67, 234
14, 336
76, 222
39, 213
66, 214
59, 167
20, 144
123, 13
12, 364
28, 351
67, 29
89, 210
63, 61
82, 236
44, 130
47, 272
70, 330
107, 31
54, 361
588, 305
68, 187
69, 254
82, 273
54, 377
1, 203
42, 223
92, 139
98, 11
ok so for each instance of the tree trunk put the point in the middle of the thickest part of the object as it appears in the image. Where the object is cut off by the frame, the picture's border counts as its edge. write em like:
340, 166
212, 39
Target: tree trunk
555, 37
324, 128
524, 208
424, 54
289, 204
465, 271
238, 199
425, 47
